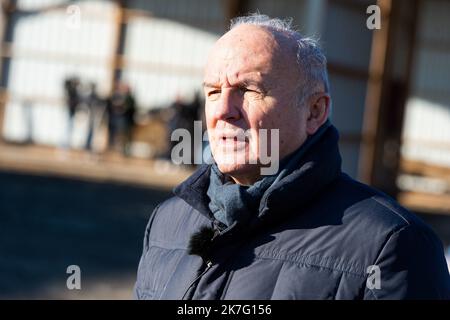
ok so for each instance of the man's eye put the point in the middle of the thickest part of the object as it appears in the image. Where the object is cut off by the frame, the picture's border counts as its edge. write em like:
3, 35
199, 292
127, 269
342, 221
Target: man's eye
244, 90
213, 92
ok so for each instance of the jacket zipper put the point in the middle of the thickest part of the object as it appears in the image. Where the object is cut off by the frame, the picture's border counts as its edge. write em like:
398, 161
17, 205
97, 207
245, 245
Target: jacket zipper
208, 266
208, 263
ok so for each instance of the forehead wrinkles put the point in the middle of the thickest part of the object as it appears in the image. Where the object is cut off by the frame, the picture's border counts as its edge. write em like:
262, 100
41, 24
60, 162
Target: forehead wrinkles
242, 51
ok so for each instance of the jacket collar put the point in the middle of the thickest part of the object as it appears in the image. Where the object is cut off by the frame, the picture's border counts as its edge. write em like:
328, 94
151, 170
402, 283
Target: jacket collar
317, 167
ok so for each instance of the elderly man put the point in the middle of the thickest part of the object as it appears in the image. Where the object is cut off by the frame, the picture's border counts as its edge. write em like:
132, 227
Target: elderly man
306, 231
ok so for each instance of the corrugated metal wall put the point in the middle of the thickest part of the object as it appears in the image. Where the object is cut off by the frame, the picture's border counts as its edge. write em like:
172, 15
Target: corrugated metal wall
426, 131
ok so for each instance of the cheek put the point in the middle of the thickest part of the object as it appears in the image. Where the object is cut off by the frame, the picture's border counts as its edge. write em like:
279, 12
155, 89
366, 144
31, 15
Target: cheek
290, 125
272, 120
261, 131
208, 112
270, 113
209, 118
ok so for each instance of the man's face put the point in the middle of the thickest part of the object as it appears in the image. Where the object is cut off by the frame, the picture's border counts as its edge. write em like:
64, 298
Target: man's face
250, 83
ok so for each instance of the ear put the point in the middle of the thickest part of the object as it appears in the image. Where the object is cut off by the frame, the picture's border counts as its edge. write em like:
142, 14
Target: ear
319, 109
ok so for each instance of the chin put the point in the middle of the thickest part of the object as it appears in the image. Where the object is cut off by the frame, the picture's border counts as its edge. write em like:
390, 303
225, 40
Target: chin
233, 169
240, 172
236, 164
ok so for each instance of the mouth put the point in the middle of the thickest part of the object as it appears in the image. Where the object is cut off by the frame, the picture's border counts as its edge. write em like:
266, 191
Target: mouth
233, 139
231, 142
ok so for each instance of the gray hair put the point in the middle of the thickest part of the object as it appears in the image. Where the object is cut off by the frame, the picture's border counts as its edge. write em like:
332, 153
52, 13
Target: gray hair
310, 58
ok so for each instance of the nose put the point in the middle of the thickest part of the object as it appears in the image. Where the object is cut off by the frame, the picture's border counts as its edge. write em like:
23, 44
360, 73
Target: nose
229, 106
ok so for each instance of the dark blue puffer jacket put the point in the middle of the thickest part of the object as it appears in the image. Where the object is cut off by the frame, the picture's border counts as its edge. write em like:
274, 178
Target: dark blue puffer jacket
315, 236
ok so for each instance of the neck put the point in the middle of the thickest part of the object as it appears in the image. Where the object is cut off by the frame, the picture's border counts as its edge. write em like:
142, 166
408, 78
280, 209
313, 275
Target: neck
245, 180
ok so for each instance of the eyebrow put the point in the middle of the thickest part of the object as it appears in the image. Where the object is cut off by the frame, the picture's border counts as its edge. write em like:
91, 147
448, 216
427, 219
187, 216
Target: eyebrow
210, 84
240, 83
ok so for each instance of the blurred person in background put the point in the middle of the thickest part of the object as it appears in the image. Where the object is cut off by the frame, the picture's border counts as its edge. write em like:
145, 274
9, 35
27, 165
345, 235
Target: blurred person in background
183, 115
73, 99
130, 113
96, 110
121, 110
307, 231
